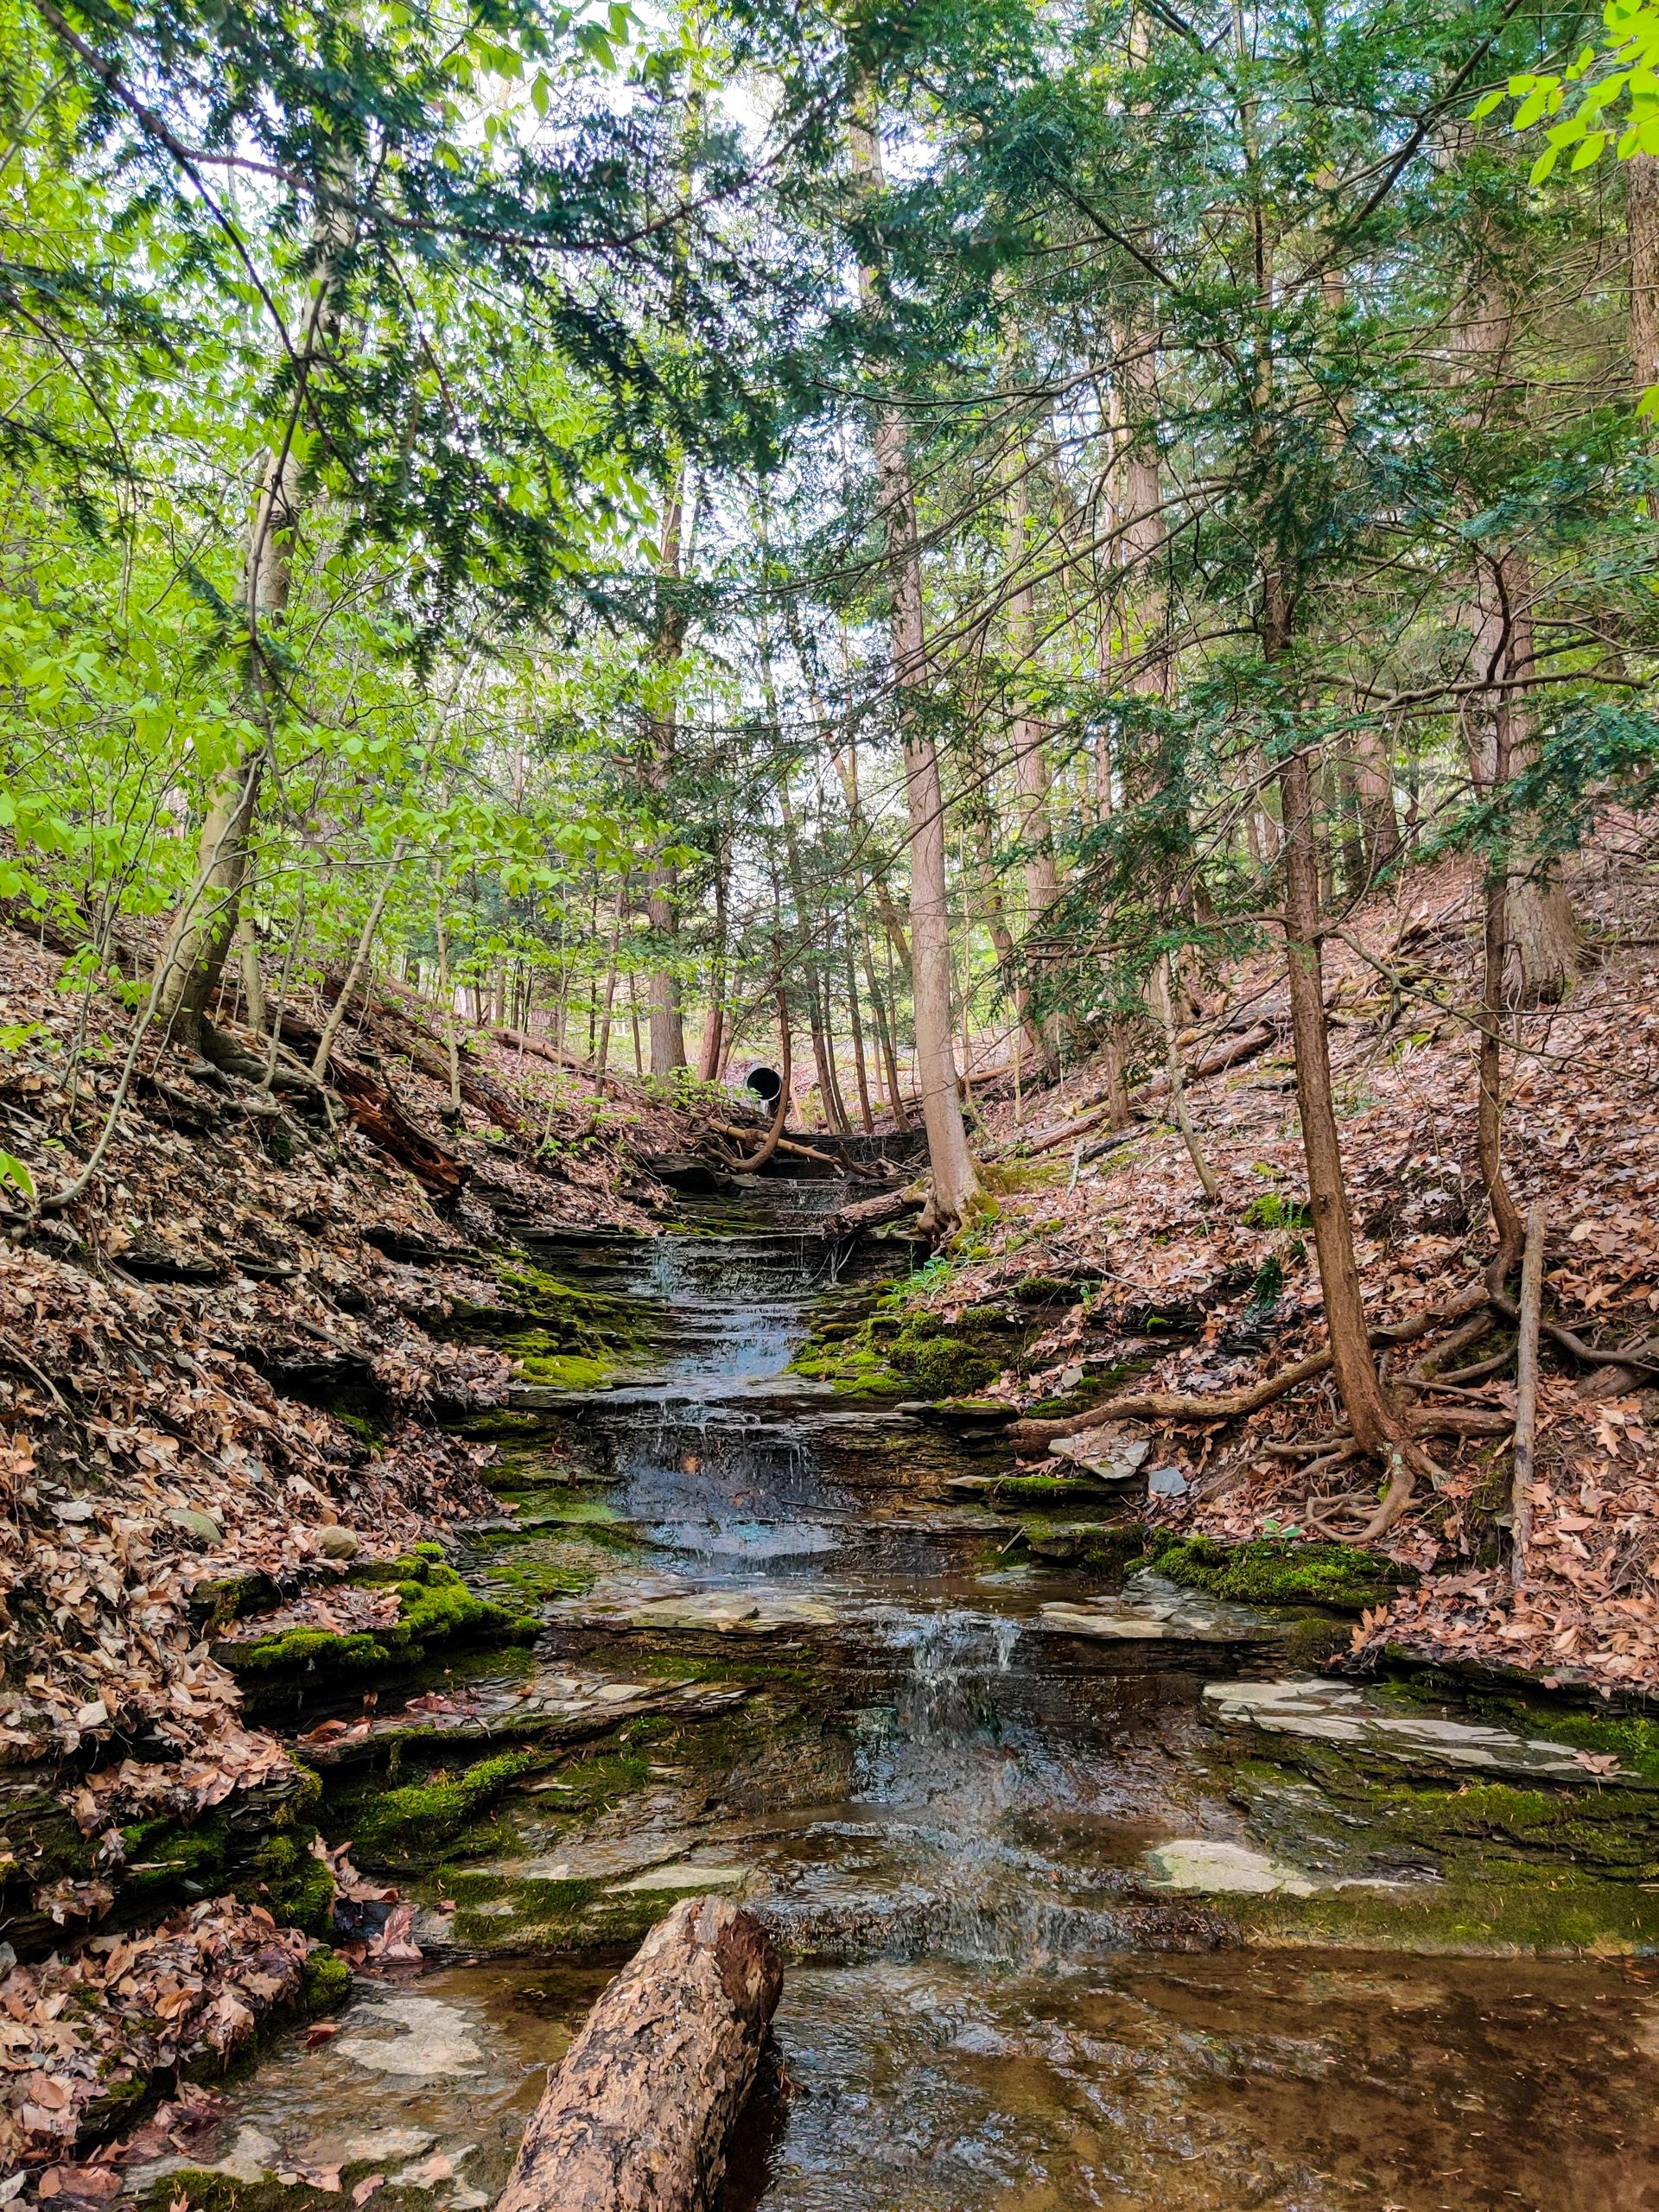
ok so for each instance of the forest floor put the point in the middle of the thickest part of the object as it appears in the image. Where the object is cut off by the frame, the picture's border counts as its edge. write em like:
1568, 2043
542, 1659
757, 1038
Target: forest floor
1133, 1236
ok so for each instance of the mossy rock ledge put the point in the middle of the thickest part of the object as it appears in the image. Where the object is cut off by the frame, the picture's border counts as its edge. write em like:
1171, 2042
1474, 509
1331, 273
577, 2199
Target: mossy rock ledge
436, 1611
1272, 1571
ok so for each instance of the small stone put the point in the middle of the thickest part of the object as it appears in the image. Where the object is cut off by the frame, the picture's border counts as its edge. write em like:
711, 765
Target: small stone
1167, 1482
250, 2157
1200, 1865
377, 2146
191, 1523
336, 1541
437, 2040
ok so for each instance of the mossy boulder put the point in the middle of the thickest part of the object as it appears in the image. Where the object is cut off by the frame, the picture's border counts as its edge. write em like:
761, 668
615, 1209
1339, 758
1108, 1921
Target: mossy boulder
941, 1364
1274, 1572
569, 1338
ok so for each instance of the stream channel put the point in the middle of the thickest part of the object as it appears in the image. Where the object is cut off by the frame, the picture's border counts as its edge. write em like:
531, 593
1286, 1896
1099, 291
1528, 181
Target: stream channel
1061, 1930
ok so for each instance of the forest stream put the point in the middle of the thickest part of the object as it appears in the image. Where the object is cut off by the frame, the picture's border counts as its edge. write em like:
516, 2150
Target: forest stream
983, 1804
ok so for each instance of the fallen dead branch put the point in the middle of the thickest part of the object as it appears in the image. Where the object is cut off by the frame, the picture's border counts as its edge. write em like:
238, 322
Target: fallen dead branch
638, 2115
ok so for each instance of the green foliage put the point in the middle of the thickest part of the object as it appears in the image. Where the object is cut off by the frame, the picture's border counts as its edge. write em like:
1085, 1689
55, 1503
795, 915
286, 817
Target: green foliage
1619, 80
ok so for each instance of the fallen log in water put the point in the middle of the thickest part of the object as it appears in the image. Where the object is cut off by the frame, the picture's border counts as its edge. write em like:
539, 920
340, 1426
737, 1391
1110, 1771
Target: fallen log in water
873, 1213
637, 2117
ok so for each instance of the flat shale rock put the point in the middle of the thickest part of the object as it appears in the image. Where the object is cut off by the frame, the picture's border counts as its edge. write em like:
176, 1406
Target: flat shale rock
1150, 1609
551, 1702
1318, 1711
1200, 1865
718, 1613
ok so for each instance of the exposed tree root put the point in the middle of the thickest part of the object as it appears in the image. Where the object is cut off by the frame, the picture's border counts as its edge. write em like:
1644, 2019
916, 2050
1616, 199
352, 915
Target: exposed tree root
1232, 1405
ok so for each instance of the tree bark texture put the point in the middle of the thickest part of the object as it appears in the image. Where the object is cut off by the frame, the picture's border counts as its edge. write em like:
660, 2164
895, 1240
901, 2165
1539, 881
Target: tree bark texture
1543, 934
956, 1185
1641, 175
662, 885
637, 2116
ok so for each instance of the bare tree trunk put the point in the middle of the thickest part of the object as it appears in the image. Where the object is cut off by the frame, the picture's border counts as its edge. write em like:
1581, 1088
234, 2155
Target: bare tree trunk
1541, 930
843, 1123
360, 962
880, 1015
1378, 1425
663, 987
714, 1024
1543, 933
1379, 823
955, 1182
862, 1074
253, 987
1030, 753
1641, 173
637, 2116
447, 992
1526, 1395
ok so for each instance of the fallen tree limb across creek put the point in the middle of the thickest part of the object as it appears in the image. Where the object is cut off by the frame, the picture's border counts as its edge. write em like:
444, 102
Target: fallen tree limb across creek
873, 1213
638, 2115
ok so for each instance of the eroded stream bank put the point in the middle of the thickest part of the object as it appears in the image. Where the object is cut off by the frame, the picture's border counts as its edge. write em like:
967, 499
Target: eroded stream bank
1093, 1893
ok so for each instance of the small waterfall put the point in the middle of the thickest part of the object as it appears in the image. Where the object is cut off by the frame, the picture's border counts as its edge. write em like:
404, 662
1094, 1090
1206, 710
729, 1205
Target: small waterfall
945, 1702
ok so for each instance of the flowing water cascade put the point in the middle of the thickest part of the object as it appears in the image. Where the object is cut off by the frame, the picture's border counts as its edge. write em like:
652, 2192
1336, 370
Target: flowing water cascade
854, 1713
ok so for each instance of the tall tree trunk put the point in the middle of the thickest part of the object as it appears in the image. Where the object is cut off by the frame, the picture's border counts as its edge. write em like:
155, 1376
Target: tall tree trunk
1641, 229
662, 883
602, 1050
253, 984
714, 1024
879, 1016
1379, 823
1541, 931
1544, 932
955, 1182
1030, 753
192, 958
857, 1024
1378, 1425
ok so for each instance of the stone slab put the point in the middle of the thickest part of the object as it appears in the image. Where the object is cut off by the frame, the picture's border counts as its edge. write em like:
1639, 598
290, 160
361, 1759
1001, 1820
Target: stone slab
1319, 1711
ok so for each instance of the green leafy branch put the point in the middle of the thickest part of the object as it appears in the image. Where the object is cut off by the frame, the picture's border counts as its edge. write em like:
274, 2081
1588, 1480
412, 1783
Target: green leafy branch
1620, 83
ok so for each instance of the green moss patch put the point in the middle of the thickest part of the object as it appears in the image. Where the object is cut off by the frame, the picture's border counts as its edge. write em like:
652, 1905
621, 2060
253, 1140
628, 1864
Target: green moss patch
568, 1337
419, 1824
436, 1609
1564, 1915
204, 2191
1269, 1572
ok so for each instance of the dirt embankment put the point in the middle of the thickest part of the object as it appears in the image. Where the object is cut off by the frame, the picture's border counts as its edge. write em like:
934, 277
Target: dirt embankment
223, 1372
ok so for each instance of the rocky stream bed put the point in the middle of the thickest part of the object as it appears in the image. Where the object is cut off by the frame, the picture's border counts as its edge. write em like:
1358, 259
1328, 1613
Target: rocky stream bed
1095, 1891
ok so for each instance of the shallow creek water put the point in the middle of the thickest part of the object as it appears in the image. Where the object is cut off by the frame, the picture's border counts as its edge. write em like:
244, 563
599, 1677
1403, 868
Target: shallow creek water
943, 1809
